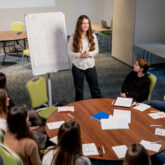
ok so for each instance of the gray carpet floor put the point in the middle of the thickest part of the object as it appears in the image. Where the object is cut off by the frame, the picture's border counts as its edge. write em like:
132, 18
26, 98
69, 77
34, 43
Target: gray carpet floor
111, 73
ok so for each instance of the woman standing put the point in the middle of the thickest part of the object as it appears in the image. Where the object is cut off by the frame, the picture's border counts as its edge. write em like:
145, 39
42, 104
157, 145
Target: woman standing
69, 147
82, 48
19, 138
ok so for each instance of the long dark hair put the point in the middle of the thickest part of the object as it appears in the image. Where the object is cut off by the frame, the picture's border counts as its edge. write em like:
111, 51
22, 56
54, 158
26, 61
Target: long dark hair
77, 45
17, 122
3, 102
2, 80
137, 155
69, 144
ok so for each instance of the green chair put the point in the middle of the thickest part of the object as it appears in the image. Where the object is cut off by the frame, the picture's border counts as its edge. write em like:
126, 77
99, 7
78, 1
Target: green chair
1, 136
37, 90
9, 157
153, 81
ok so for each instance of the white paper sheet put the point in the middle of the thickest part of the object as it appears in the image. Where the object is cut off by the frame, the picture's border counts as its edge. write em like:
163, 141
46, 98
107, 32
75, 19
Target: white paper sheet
55, 125
120, 151
142, 107
89, 149
122, 115
150, 145
159, 131
66, 109
54, 139
157, 115
113, 124
123, 102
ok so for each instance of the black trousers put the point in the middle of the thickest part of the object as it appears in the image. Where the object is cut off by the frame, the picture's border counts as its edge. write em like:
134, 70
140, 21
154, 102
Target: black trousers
91, 77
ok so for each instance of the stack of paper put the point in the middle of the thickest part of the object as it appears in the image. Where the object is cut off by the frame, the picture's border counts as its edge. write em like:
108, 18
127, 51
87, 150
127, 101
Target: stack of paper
66, 109
157, 115
123, 102
153, 146
119, 120
120, 151
89, 149
122, 115
142, 107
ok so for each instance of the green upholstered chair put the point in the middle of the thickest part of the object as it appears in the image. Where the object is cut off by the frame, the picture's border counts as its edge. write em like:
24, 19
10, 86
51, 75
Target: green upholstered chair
1, 136
153, 81
37, 90
9, 157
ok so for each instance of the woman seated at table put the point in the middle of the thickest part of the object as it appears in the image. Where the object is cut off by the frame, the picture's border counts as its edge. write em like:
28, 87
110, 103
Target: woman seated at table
19, 138
33, 116
136, 84
136, 155
69, 147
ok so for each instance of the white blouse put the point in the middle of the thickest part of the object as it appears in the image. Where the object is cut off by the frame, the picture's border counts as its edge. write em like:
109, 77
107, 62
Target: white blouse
3, 124
83, 63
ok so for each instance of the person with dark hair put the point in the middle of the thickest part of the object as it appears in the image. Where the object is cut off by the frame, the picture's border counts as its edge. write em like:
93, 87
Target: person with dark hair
136, 155
82, 47
69, 147
19, 138
158, 104
3, 85
136, 84
33, 116
4, 102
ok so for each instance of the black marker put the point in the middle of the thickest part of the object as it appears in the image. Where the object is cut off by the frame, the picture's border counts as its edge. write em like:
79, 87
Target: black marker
100, 152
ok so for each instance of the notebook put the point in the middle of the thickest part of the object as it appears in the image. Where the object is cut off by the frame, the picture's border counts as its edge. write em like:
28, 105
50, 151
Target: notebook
100, 115
104, 24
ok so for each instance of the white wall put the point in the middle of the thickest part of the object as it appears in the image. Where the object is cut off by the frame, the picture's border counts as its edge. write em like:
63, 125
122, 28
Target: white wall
150, 21
95, 9
150, 24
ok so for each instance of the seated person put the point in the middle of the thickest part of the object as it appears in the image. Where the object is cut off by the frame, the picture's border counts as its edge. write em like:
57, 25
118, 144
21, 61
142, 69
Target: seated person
160, 105
33, 116
19, 138
69, 147
4, 102
136, 84
136, 155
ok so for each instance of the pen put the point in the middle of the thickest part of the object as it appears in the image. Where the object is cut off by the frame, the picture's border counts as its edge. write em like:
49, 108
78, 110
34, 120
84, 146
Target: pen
153, 111
100, 152
103, 149
70, 115
155, 125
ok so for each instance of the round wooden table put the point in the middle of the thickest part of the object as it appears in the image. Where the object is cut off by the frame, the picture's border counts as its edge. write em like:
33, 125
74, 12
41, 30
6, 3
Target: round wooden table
91, 132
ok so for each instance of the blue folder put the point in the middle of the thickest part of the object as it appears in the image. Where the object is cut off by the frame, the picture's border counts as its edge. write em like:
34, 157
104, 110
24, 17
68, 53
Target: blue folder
100, 115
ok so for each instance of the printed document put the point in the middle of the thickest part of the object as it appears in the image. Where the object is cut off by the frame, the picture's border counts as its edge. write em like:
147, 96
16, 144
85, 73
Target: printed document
89, 149
160, 132
142, 107
157, 115
123, 102
153, 146
120, 151
55, 125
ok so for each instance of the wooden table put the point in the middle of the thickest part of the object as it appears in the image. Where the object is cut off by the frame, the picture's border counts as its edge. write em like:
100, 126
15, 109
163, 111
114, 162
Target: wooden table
91, 131
99, 28
7, 36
